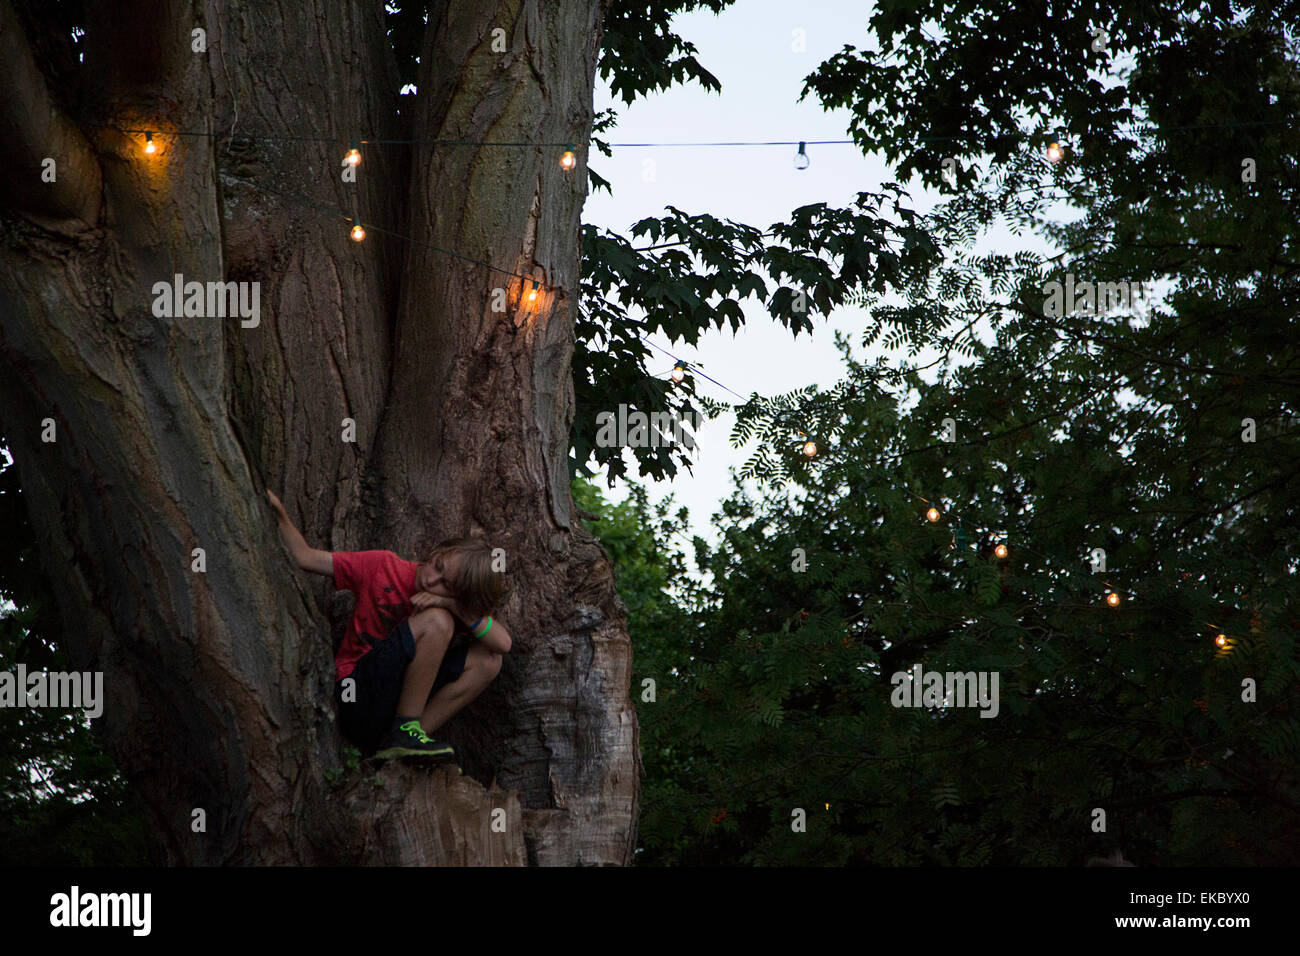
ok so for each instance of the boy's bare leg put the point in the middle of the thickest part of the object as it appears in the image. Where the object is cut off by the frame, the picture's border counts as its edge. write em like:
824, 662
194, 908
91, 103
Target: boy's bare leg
432, 630
481, 667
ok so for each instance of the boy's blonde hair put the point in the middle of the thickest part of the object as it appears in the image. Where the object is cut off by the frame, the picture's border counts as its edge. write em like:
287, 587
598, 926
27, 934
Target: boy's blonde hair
477, 587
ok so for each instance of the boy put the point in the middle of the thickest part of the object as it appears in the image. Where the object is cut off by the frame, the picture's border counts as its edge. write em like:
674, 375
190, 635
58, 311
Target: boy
412, 659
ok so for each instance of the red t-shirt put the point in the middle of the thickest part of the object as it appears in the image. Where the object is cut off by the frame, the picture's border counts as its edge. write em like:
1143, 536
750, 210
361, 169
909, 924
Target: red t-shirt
383, 584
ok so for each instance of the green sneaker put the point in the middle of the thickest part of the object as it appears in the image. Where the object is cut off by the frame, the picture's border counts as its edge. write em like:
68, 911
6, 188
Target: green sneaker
410, 740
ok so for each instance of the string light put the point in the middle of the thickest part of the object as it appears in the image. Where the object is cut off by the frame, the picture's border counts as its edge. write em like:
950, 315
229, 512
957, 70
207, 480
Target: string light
1221, 640
336, 213
358, 232
149, 146
1136, 129
999, 537
1055, 151
658, 348
801, 160
567, 159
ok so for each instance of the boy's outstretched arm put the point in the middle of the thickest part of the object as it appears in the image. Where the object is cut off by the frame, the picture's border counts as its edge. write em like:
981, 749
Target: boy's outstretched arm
307, 558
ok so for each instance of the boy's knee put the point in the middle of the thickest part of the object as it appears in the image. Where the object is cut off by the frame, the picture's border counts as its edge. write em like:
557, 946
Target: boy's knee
431, 622
483, 668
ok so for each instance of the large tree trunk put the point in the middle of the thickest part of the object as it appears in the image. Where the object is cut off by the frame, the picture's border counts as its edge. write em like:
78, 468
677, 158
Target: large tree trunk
218, 684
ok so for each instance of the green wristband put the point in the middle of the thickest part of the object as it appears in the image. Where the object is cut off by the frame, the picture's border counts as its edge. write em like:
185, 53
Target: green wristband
486, 629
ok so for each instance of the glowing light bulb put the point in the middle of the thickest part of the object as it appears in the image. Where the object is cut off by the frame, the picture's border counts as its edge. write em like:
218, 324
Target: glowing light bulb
1055, 152
810, 449
1000, 551
567, 159
933, 514
149, 146
801, 160
353, 157
532, 293
358, 232
1221, 640
1112, 599
678, 373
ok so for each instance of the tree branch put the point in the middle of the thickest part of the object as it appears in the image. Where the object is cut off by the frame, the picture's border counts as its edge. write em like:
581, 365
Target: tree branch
34, 128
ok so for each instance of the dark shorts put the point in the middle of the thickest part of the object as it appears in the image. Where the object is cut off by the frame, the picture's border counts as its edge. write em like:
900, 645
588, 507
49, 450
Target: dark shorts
379, 675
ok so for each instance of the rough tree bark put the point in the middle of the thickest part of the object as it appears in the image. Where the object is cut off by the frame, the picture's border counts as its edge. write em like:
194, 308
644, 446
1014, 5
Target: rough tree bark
218, 684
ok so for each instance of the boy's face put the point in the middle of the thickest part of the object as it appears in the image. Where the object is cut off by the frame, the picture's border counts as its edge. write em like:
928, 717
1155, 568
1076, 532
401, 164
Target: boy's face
437, 576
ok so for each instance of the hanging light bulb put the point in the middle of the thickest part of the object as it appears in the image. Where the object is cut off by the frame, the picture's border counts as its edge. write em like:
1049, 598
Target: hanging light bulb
532, 293
353, 155
567, 159
801, 160
358, 232
150, 147
810, 449
1112, 598
933, 514
679, 372
1055, 149
1221, 640
1000, 550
